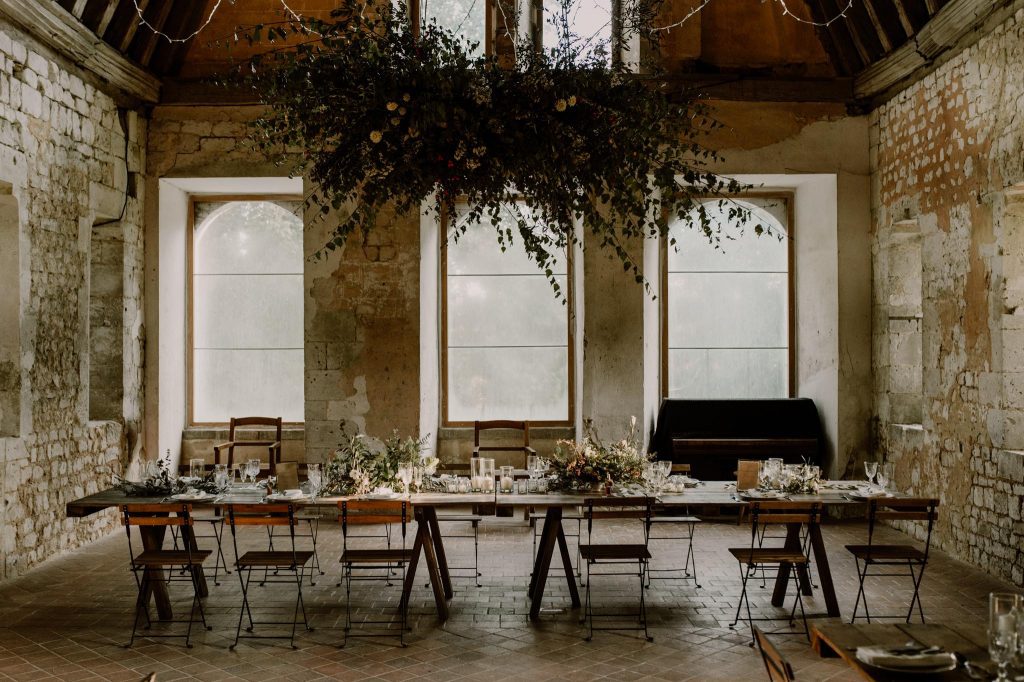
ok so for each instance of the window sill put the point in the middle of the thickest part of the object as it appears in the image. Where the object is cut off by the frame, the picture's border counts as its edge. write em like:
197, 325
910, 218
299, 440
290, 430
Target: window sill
290, 432
459, 433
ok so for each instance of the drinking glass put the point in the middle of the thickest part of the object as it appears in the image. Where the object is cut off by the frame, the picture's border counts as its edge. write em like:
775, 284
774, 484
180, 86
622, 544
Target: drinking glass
237, 474
405, 476
252, 467
417, 477
220, 476
315, 477
507, 479
533, 465
884, 476
1002, 630
196, 467
870, 470
666, 467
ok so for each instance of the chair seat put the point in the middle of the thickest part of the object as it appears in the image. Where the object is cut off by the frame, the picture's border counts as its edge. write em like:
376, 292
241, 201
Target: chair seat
566, 516
886, 552
614, 552
376, 556
275, 558
768, 555
674, 519
171, 557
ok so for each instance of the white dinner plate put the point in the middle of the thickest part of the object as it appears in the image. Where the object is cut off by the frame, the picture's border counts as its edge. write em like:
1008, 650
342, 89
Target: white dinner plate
280, 497
192, 497
381, 496
762, 494
945, 662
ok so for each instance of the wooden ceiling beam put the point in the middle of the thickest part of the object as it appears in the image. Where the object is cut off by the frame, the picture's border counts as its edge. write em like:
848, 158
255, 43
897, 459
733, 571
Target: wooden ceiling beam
840, 35
156, 27
901, 11
168, 56
78, 9
134, 19
883, 36
106, 17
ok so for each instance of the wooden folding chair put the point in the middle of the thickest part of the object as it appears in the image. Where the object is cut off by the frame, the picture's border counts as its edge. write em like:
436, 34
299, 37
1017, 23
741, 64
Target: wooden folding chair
370, 512
266, 515
147, 565
616, 554
901, 555
779, 669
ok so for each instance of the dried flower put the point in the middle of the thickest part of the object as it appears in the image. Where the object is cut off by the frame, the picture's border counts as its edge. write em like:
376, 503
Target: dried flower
395, 120
572, 100
401, 111
406, 97
392, 106
560, 105
376, 136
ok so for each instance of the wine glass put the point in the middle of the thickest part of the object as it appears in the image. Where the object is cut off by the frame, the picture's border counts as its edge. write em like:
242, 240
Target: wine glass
1002, 630
884, 476
532, 465
315, 477
417, 477
405, 475
196, 468
870, 470
220, 476
252, 469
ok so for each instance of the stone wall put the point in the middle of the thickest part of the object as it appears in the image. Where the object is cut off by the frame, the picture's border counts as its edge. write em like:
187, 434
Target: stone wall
946, 172
63, 155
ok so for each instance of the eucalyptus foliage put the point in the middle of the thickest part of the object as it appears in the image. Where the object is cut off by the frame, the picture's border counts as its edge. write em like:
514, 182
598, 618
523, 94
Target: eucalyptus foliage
378, 116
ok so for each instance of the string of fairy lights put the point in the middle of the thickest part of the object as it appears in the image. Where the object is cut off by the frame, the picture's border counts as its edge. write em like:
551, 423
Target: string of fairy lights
786, 12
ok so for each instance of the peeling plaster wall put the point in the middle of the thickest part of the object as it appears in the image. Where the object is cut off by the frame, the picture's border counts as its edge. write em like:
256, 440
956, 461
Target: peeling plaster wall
62, 152
945, 154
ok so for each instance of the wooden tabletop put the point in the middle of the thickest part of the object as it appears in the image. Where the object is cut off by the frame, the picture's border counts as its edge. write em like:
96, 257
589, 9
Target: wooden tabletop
711, 492
843, 639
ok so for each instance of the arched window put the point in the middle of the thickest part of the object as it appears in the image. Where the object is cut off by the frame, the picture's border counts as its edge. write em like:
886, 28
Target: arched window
247, 310
727, 308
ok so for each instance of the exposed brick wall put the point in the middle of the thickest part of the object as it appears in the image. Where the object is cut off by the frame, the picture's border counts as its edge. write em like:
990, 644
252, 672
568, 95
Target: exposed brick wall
944, 153
62, 151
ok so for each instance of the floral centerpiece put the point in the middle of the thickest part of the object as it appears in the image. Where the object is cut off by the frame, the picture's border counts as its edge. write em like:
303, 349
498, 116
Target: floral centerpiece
158, 481
362, 464
591, 463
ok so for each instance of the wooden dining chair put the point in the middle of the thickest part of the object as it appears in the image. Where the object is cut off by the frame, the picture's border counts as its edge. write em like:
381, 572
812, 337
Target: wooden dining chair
480, 427
288, 560
620, 557
374, 560
150, 562
756, 556
894, 556
250, 424
779, 669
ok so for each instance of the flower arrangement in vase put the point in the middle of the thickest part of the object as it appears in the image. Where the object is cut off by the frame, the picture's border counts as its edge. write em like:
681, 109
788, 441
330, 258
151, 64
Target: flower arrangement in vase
590, 464
362, 463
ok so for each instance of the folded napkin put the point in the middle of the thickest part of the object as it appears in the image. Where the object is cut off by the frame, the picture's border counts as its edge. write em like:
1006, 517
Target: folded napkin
884, 657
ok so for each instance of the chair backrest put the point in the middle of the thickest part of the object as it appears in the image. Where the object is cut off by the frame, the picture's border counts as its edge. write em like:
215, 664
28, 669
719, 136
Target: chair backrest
154, 514
903, 509
638, 507
680, 468
258, 514
781, 511
370, 512
779, 669
493, 424
246, 423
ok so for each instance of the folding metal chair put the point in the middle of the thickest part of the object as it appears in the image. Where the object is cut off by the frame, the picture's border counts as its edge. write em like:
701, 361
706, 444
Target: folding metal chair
474, 521
755, 556
287, 560
616, 554
537, 524
662, 519
902, 555
779, 669
369, 512
150, 517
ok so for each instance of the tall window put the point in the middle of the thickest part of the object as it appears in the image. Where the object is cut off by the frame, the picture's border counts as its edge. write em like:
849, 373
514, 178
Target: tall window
247, 303
506, 334
728, 318
589, 22
467, 18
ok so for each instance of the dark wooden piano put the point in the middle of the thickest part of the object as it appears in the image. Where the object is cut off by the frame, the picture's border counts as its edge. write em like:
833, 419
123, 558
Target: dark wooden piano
711, 435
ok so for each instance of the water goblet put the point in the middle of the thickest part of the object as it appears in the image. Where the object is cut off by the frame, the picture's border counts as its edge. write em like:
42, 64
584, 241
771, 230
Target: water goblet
196, 468
315, 477
884, 476
405, 475
870, 470
1002, 630
417, 478
220, 476
252, 467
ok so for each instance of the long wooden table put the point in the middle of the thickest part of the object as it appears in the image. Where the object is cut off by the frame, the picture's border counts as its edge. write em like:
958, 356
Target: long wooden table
428, 541
842, 640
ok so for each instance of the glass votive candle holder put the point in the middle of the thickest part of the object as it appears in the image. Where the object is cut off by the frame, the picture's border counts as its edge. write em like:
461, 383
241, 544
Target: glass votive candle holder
507, 479
463, 484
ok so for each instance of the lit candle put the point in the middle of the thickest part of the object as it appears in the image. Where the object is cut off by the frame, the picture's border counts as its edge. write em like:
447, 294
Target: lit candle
488, 484
506, 484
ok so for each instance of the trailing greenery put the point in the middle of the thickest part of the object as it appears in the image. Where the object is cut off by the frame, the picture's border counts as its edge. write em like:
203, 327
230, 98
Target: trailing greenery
377, 115
159, 482
362, 464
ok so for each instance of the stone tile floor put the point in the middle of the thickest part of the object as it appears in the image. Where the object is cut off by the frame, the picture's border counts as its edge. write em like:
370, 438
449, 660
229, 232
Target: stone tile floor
70, 618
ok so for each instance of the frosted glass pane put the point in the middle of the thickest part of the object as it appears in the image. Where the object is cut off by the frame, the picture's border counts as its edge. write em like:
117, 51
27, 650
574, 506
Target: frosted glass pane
508, 383
248, 311
589, 20
505, 311
740, 249
716, 310
711, 373
477, 252
238, 383
465, 17
248, 237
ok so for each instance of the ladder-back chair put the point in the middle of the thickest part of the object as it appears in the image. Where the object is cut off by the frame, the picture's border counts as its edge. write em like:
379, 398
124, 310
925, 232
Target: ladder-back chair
252, 423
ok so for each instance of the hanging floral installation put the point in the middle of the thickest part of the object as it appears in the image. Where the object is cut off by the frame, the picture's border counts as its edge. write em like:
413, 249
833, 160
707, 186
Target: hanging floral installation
380, 114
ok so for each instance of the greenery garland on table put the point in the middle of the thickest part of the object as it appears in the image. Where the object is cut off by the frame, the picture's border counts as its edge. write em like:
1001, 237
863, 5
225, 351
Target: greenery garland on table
362, 464
377, 115
590, 463
161, 483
